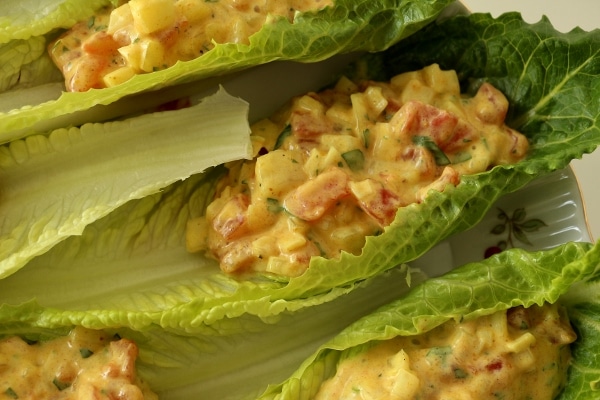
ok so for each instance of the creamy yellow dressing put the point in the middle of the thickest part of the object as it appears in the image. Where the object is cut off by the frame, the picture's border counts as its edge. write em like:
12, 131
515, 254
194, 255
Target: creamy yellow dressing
86, 364
143, 36
519, 354
334, 167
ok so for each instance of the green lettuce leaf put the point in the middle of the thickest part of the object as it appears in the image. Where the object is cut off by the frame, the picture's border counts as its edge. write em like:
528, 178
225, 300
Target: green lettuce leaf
54, 185
13, 57
164, 286
303, 348
22, 19
181, 366
348, 26
568, 274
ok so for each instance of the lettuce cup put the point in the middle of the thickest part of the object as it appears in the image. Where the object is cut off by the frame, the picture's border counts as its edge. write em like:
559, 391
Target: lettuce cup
546, 294
516, 324
34, 87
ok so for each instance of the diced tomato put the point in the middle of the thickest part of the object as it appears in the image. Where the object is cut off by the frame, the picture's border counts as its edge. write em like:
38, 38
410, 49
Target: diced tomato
313, 198
449, 177
416, 118
379, 203
463, 134
100, 44
305, 125
230, 220
490, 104
494, 366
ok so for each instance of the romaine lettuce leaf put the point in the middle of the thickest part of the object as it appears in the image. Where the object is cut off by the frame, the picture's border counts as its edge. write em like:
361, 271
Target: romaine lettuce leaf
54, 185
22, 19
568, 274
163, 285
192, 366
302, 349
16, 54
348, 26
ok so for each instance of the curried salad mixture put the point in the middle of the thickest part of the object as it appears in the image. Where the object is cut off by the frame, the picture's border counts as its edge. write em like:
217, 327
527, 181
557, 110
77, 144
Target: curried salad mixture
334, 167
521, 353
86, 364
143, 36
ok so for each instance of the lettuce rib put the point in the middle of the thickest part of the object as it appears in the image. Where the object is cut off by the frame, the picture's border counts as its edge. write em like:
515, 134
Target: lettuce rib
54, 186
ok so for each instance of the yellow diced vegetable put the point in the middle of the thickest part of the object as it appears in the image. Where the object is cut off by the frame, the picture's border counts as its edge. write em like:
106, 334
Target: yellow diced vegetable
441, 81
120, 18
193, 10
152, 57
152, 15
133, 55
276, 173
291, 241
118, 76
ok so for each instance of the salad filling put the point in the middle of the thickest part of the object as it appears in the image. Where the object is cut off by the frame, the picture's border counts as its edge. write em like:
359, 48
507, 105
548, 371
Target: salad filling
86, 364
520, 353
334, 167
143, 36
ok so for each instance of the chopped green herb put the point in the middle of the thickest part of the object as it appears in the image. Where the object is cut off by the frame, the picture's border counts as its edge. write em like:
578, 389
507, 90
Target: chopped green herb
60, 385
367, 138
461, 157
523, 326
85, 353
91, 21
29, 341
321, 250
273, 205
287, 131
429, 144
440, 352
549, 366
355, 159
11, 393
460, 373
